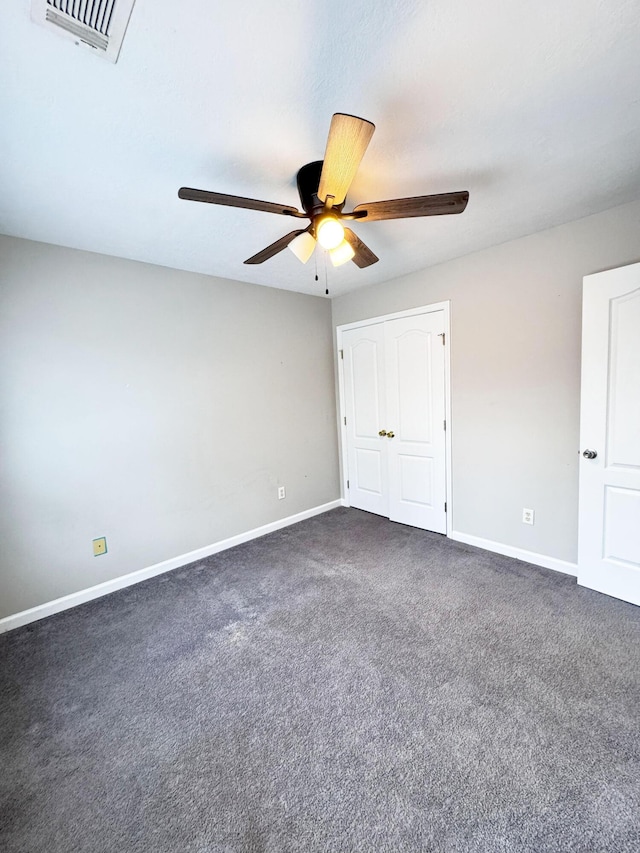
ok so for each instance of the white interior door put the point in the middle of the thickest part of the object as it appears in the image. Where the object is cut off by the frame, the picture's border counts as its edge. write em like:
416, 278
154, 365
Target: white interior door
365, 408
394, 401
609, 525
415, 415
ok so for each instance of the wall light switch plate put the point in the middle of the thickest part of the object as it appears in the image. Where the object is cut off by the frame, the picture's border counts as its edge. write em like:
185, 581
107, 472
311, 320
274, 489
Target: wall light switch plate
99, 546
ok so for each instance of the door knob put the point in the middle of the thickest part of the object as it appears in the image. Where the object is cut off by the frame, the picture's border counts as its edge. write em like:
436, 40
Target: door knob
382, 432
590, 454
390, 434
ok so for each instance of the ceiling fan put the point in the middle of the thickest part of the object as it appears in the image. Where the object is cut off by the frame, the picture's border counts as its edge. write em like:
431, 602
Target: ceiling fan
323, 187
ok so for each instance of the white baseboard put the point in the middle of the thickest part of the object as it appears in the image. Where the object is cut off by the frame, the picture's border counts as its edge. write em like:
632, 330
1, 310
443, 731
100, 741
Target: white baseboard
76, 598
554, 563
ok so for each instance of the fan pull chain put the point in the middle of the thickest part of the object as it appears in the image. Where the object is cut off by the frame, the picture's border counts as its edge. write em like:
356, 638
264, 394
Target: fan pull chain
326, 286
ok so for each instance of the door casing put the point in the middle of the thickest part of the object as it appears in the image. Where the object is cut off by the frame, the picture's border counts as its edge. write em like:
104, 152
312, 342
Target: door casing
444, 307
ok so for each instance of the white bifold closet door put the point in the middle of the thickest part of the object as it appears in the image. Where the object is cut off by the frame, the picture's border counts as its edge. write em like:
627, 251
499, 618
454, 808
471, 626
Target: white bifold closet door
395, 410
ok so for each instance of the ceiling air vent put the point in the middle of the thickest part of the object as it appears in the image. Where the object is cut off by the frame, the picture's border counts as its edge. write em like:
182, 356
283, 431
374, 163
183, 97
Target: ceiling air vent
97, 24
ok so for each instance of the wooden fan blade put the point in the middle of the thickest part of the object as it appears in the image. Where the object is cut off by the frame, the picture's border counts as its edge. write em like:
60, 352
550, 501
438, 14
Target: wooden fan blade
237, 201
421, 205
274, 248
347, 142
363, 257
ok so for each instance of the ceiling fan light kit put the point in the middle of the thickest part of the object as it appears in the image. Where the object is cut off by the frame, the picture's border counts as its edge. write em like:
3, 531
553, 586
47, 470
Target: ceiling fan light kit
302, 246
341, 254
329, 232
323, 186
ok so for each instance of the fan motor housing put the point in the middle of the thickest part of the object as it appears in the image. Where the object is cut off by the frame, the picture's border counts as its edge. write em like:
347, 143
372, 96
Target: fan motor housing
308, 180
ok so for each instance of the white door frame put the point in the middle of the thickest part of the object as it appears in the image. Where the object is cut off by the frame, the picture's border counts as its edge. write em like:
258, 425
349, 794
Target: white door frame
359, 324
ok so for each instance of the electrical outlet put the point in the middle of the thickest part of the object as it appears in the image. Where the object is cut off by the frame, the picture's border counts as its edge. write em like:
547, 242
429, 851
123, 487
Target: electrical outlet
281, 493
528, 516
99, 546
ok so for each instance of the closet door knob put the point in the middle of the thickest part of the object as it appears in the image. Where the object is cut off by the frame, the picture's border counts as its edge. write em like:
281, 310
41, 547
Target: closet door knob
390, 434
382, 433
590, 454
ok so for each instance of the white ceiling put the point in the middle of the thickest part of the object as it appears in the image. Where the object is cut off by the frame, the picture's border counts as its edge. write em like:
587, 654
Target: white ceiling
532, 107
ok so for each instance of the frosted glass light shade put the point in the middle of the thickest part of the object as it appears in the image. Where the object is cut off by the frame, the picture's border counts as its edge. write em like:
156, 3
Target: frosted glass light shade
330, 232
302, 246
341, 254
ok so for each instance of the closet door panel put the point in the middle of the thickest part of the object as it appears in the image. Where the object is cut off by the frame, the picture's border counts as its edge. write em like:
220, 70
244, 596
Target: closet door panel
365, 404
414, 357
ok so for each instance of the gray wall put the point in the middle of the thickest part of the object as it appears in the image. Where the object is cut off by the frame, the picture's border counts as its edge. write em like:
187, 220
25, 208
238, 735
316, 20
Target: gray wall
158, 408
515, 349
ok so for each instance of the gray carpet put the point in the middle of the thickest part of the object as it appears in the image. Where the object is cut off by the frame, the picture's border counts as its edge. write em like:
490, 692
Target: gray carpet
346, 684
